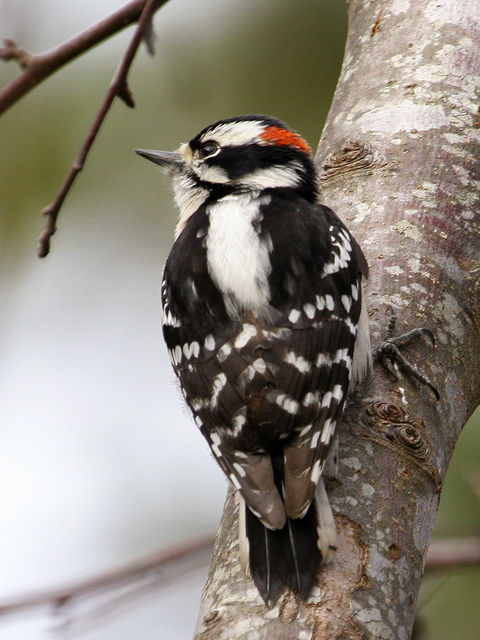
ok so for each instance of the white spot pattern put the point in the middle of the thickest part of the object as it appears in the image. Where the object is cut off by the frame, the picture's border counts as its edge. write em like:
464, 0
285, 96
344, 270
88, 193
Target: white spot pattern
333, 267
287, 403
192, 349
342, 356
235, 481
305, 430
327, 399
342, 259
309, 310
337, 392
218, 383
239, 469
215, 440
327, 431
316, 472
177, 354
247, 332
298, 362
238, 423
351, 326
209, 342
224, 352
347, 302
258, 366
294, 315
320, 302
323, 359
169, 320
311, 398
314, 441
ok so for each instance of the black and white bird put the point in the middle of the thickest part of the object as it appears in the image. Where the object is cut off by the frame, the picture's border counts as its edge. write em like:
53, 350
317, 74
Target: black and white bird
266, 327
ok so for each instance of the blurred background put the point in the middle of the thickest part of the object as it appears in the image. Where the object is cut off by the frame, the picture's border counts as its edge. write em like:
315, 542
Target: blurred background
99, 463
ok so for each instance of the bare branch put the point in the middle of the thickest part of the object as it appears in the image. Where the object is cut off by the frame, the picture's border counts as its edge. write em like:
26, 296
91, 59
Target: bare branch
10, 51
118, 87
41, 66
474, 482
453, 553
110, 579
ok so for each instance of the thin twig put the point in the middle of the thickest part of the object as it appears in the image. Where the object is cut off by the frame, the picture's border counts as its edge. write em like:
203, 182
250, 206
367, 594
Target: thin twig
38, 67
474, 482
11, 51
443, 554
110, 579
453, 553
76, 621
118, 87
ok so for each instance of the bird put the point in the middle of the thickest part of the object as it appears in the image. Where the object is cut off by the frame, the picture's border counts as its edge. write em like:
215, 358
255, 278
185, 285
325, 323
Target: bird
265, 320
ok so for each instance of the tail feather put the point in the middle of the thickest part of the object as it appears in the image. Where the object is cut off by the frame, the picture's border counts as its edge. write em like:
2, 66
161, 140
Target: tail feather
287, 557
326, 529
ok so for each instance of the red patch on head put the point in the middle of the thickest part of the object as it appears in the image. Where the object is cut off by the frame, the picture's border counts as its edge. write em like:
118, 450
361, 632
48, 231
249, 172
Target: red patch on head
277, 135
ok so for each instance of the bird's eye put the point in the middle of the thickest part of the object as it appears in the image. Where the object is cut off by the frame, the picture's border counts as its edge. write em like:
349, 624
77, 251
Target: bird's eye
208, 148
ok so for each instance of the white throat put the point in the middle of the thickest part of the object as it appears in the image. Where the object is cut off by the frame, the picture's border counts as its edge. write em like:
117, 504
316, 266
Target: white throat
188, 198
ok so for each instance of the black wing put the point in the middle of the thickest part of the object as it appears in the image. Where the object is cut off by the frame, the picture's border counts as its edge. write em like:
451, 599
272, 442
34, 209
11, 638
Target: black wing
255, 383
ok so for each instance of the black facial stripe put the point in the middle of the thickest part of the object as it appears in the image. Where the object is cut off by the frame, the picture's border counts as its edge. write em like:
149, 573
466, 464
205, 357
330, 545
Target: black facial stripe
256, 157
240, 161
217, 189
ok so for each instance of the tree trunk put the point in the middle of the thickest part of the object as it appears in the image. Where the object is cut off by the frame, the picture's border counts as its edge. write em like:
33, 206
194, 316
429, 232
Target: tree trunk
399, 160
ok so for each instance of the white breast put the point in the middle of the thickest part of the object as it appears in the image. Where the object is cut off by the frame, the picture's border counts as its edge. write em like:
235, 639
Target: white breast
237, 258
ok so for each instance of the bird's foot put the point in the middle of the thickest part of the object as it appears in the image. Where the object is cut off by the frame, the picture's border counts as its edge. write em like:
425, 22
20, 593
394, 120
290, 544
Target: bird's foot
389, 356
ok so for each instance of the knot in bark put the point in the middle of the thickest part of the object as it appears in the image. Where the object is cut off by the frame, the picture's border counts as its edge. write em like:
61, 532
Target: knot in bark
353, 156
385, 412
391, 425
407, 436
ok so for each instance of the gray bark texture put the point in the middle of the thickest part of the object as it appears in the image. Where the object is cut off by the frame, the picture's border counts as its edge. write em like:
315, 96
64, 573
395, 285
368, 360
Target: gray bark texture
399, 162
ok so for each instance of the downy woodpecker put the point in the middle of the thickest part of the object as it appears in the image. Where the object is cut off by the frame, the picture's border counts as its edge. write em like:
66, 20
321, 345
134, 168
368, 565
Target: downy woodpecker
266, 326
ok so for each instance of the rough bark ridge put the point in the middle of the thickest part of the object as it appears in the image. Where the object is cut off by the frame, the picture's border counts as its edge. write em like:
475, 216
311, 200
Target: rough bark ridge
399, 163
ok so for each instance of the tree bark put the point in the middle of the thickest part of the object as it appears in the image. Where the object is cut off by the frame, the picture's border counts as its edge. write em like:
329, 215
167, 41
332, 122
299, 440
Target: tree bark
399, 162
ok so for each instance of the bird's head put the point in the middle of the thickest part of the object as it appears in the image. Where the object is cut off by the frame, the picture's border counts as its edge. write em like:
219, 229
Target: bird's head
252, 153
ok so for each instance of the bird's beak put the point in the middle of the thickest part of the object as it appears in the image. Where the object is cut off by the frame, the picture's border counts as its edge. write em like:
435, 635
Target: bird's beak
170, 162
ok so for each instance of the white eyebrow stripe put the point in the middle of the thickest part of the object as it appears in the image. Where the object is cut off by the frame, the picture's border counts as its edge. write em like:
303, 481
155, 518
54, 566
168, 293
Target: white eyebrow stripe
235, 133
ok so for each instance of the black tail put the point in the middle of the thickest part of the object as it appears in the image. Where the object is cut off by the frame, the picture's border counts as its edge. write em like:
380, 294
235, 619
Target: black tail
287, 557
